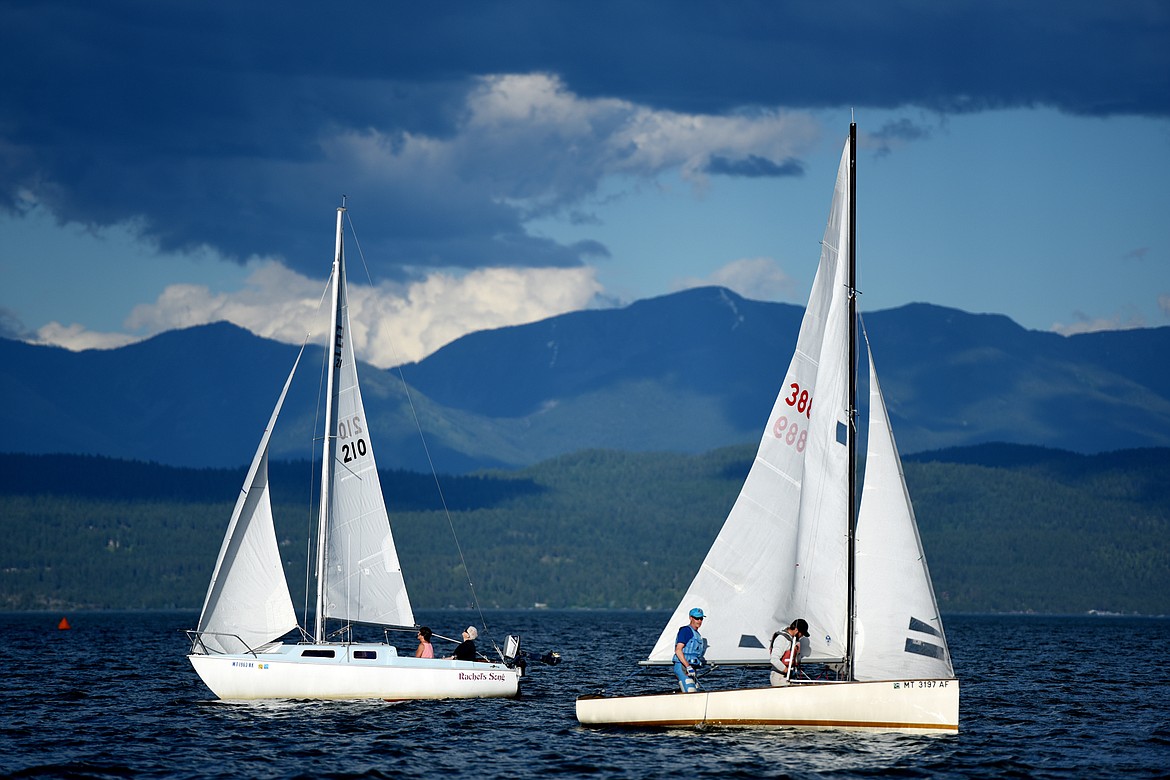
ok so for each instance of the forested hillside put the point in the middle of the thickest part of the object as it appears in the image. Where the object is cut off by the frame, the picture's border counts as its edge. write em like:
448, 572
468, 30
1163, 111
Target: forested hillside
1005, 528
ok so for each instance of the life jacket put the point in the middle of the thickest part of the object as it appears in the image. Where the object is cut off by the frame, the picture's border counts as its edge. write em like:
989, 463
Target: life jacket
695, 648
786, 658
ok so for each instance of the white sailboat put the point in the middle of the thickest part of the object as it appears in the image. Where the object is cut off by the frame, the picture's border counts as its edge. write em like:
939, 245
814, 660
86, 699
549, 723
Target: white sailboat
237, 648
792, 547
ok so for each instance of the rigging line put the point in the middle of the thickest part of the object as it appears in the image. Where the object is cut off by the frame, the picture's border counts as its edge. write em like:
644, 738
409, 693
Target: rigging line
427, 451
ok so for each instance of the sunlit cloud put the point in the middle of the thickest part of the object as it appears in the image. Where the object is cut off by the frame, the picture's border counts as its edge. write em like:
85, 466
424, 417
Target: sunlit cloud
392, 323
758, 278
1083, 323
77, 338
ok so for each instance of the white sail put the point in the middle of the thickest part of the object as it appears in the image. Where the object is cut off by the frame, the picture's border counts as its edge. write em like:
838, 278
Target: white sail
248, 602
782, 551
899, 632
363, 578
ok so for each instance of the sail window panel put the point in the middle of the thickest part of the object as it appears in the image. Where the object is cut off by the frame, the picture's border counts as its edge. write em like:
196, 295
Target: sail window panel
923, 627
918, 647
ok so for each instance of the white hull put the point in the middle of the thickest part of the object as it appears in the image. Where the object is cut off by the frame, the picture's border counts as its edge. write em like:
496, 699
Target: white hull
285, 673
912, 706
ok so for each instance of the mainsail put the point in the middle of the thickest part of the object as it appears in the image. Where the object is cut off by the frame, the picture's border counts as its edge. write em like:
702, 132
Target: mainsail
248, 602
899, 631
782, 552
362, 576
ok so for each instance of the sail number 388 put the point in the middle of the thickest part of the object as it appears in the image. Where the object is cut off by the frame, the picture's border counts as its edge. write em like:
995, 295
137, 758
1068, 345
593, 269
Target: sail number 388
790, 431
801, 400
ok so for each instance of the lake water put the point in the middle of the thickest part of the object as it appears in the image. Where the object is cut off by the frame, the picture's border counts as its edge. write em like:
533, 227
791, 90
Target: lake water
1042, 697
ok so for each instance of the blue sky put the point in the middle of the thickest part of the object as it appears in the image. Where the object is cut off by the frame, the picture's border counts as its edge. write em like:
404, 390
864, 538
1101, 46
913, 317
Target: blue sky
168, 164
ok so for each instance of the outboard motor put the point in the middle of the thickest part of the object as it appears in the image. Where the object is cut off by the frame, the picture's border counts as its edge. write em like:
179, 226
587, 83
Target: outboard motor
517, 658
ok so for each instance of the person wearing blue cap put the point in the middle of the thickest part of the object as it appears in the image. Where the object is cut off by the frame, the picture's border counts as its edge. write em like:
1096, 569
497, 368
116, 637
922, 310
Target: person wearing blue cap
689, 648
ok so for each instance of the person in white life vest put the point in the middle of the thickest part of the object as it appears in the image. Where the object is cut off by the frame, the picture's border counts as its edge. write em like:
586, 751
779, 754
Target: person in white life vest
786, 651
689, 648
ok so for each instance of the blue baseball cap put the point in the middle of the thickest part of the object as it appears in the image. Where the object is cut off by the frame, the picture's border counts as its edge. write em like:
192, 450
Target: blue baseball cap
697, 613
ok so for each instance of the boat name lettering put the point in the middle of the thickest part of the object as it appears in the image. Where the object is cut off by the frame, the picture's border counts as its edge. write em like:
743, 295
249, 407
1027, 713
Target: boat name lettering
801, 399
476, 676
338, 341
790, 433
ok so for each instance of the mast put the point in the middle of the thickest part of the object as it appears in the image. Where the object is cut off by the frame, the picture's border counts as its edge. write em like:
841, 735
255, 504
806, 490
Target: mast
329, 440
852, 514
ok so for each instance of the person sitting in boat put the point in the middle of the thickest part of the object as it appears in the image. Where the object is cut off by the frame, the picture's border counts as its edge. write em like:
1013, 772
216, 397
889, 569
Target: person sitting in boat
689, 648
465, 650
785, 654
425, 649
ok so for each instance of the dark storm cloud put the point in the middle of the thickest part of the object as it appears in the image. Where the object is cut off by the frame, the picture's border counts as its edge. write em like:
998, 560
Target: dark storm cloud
210, 123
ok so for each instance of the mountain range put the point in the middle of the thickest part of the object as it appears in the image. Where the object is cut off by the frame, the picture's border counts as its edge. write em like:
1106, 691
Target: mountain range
687, 373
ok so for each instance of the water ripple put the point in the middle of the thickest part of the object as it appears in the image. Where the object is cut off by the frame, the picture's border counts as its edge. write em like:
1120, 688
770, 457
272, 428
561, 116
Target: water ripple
116, 698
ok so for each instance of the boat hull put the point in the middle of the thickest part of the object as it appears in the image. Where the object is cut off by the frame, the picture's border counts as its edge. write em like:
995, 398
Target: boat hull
911, 706
354, 672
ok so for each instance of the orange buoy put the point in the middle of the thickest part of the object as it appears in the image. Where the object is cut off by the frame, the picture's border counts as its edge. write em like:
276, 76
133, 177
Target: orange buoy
64, 624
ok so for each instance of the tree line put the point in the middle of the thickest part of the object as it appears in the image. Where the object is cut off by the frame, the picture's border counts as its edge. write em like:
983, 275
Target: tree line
1013, 530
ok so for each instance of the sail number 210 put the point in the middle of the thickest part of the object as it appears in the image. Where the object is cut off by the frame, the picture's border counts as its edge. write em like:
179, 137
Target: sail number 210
347, 429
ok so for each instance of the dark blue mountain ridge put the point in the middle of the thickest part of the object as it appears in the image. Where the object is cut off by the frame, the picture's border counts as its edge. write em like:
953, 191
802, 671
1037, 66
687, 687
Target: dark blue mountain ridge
706, 340
686, 372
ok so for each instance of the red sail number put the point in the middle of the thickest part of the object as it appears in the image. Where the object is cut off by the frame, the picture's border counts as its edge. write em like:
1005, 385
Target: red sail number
801, 400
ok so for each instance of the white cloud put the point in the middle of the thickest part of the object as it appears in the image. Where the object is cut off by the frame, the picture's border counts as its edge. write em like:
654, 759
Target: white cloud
758, 278
411, 324
1083, 323
276, 303
76, 338
391, 323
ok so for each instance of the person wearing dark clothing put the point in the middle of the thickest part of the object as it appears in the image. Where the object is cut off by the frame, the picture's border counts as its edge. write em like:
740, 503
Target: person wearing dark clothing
465, 650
